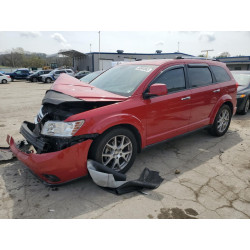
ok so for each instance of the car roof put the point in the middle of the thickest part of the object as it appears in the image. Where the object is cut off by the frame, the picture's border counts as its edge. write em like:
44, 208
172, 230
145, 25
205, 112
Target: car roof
240, 71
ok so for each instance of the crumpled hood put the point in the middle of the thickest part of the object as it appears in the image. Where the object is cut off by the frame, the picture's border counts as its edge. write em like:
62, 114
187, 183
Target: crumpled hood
71, 86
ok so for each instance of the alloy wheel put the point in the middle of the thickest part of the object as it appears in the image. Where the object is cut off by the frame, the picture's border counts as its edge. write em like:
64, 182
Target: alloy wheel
247, 106
223, 120
117, 152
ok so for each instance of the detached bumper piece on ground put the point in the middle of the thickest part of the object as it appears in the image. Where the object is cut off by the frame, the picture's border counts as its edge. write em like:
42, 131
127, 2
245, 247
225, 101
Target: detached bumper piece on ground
116, 183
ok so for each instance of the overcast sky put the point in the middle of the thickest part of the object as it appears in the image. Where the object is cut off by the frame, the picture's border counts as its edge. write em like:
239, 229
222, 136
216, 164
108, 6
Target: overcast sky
236, 43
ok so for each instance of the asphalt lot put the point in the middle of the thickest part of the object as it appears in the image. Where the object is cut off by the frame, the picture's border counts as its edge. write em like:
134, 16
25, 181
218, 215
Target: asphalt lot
214, 178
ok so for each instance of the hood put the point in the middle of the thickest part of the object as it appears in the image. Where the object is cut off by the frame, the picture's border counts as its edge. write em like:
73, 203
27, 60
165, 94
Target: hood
241, 88
73, 87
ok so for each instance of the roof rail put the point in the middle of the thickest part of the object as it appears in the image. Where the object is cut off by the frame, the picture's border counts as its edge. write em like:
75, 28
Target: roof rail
196, 57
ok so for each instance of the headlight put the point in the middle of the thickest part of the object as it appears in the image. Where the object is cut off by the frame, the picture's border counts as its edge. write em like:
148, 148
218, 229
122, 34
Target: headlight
61, 129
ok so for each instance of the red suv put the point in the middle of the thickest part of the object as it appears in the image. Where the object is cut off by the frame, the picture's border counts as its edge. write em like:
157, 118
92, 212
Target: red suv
122, 111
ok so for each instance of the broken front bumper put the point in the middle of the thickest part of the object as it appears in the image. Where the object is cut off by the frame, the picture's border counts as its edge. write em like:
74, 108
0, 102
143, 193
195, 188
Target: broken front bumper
55, 167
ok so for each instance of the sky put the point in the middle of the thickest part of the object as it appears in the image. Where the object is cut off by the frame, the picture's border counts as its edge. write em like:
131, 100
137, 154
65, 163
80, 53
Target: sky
190, 42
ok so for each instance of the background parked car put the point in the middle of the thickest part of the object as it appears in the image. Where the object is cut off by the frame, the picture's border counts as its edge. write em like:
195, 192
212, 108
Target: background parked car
4, 78
81, 74
90, 77
34, 77
19, 74
53, 75
243, 91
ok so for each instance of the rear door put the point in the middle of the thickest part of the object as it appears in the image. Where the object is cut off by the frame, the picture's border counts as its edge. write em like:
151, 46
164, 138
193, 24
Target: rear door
204, 94
168, 115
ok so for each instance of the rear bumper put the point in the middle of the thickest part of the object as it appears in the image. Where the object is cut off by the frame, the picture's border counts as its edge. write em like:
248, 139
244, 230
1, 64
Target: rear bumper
67, 164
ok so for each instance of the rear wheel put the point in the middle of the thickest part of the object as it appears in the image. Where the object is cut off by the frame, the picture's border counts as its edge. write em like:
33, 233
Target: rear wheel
115, 149
4, 81
246, 108
221, 121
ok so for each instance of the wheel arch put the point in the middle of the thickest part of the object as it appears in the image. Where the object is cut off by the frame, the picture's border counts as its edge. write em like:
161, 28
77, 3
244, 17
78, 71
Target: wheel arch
224, 100
130, 127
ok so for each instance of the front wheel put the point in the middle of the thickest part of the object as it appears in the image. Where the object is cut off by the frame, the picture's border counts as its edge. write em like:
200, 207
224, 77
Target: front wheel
246, 108
221, 121
4, 81
115, 149
34, 79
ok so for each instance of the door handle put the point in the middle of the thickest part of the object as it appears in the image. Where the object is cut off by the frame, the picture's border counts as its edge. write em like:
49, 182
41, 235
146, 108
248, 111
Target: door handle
217, 90
186, 98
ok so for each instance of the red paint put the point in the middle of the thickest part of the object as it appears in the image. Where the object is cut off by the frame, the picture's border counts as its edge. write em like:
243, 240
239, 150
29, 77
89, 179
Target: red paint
67, 164
155, 119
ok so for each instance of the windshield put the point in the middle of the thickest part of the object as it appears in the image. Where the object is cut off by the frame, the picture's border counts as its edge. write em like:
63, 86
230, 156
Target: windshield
242, 79
88, 78
123, 79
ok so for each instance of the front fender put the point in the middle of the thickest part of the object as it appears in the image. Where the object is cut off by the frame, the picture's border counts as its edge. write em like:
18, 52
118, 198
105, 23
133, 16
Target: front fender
100, 126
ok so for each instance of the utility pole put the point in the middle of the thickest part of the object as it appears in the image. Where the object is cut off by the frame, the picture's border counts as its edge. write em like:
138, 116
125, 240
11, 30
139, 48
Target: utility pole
178, 47
99, 47
206, 50
90, 47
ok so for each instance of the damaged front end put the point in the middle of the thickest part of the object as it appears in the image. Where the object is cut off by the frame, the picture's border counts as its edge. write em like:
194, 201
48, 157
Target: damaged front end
50, 149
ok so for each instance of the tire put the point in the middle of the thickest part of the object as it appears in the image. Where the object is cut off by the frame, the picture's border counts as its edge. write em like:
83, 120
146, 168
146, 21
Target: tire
106, 151
246, 107
4, 81
222, 121
48, 80
12, 79
34, 79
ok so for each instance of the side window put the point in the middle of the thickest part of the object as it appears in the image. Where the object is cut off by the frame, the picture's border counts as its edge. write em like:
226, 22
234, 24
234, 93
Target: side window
18, 72
174, 79
199, 76
69, 71
220, 74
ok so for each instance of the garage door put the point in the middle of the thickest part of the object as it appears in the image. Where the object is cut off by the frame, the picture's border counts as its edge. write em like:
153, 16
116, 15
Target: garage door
105, 64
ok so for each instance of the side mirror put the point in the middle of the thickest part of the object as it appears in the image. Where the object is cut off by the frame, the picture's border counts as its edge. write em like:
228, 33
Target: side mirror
156, 89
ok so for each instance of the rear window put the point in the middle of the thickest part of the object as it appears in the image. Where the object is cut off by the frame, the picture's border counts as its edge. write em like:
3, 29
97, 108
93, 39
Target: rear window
69, 71
220, 74
199, 76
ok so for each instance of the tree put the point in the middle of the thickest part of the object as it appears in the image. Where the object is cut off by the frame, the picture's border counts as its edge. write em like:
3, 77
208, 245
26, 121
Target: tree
201, 55
224, 54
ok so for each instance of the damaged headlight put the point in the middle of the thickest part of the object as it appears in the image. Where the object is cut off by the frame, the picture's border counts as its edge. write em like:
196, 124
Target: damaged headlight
61, 129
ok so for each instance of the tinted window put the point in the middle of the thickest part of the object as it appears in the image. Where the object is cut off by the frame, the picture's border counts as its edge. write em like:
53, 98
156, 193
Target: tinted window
69, 71
174, 79
220, 74
199, 77
59, 72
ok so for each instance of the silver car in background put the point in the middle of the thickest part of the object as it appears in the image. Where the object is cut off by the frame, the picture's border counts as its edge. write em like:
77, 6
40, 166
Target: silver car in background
53, 75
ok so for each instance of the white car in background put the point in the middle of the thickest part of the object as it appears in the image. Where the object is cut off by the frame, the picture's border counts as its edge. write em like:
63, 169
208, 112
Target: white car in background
4, 78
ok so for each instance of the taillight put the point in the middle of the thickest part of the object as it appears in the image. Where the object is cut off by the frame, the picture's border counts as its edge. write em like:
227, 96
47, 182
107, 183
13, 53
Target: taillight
8, 76
237, 85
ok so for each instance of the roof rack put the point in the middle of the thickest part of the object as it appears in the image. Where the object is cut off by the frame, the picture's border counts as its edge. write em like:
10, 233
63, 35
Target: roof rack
196, 57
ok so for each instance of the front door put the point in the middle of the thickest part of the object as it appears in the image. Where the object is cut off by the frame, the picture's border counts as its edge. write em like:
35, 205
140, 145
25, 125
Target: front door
168, 115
